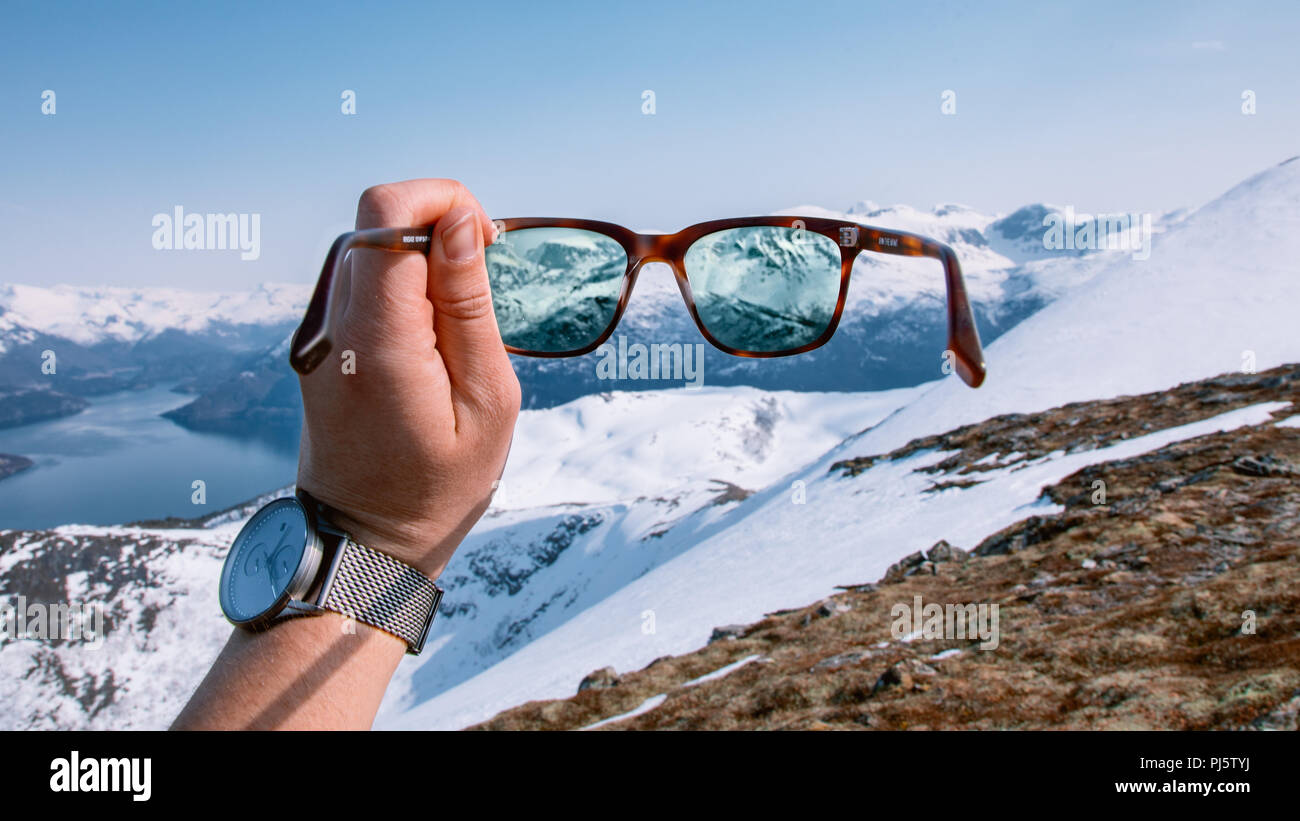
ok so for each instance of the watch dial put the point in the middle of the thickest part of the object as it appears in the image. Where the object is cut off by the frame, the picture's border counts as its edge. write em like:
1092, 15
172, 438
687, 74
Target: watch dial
263, 560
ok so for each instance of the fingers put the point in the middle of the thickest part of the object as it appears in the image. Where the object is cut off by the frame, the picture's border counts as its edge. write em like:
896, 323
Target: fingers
464, 324
388, 290
417, 202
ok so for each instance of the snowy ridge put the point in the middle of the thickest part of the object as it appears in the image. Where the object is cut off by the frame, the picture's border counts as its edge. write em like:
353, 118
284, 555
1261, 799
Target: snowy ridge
1205, 302
767, 553
89, 316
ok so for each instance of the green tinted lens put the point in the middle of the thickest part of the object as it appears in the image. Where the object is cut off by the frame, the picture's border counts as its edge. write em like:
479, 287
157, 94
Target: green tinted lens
554, 290
765, 288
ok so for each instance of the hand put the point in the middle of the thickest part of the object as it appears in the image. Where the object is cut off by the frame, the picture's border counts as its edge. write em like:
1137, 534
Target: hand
407, 448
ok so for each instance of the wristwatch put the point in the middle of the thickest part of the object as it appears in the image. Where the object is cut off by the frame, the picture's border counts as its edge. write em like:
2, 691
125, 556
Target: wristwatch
288, 560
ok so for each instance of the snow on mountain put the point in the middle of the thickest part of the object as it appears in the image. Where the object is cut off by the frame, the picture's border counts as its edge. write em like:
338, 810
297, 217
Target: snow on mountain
581, 520
1217, 294
162, 625
90, 315
657, 443
587, 488
766, 553
1205, 302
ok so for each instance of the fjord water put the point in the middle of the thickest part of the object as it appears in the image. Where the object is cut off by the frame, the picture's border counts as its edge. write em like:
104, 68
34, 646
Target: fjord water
120, 461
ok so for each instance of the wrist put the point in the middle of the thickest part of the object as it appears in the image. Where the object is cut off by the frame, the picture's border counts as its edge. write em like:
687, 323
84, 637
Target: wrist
417, 540
407, 541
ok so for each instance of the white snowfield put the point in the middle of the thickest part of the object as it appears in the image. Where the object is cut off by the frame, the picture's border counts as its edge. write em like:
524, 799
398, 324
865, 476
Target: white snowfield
629, 525
1218, 293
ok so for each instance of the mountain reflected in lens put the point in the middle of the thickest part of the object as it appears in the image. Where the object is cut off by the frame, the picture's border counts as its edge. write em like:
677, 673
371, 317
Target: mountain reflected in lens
764, 288
554, 289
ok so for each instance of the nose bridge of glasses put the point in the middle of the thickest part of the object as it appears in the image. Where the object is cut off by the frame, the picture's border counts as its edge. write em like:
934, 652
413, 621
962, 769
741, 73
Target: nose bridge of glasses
663, 248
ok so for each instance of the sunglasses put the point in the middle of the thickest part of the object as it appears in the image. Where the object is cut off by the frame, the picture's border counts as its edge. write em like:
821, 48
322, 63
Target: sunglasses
755, 286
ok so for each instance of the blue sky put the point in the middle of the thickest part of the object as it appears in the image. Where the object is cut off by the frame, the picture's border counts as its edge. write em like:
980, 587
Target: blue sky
235, 107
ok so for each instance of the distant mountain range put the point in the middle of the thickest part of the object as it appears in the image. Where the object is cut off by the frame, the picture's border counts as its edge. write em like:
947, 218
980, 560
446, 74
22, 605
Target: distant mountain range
62, 343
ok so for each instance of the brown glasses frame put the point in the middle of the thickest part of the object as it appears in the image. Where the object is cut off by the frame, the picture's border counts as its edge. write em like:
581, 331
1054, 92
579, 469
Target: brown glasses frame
311, 342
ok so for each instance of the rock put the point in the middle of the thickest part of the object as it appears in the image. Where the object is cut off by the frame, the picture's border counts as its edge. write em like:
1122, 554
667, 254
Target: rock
858, 588
905, 674
1088, 564
843, 660
729, 631
1260, 466
944, 552
1170, 485
899, 570
1132, 506
1114, 550
1285, 716
602, 679
830, 607
1237, 535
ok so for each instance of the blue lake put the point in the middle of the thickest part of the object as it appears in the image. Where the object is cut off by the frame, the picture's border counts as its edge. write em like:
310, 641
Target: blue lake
119, 461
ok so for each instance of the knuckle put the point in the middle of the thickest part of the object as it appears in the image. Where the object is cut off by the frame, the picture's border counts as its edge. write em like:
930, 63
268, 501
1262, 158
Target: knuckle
508, 397
511, 394
467, 306
378, 205
457, 187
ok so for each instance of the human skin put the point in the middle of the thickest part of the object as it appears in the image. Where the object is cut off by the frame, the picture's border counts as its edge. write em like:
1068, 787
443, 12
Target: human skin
405, 451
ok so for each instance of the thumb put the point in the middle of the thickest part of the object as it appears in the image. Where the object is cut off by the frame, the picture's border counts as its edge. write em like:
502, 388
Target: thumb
463, 321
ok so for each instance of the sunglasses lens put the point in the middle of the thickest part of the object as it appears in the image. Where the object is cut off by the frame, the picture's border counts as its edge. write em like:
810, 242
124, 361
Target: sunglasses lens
765, 289
554, 290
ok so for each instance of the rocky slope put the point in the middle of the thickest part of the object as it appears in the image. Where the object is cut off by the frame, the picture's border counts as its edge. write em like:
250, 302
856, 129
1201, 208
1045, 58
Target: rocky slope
1164, 593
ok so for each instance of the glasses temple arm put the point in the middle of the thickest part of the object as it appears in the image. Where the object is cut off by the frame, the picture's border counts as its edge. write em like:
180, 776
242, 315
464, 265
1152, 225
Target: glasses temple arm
311, 342
963, 336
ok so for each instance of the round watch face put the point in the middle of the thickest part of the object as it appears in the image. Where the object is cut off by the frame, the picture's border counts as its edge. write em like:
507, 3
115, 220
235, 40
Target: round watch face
265, 561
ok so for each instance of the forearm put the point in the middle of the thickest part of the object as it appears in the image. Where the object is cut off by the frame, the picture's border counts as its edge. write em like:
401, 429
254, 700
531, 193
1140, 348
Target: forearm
309, 673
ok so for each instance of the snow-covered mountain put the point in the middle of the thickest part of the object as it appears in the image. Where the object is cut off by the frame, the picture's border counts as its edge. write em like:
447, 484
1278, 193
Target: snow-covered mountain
90, 316
632, 524
555, 289
663, 456
110, 339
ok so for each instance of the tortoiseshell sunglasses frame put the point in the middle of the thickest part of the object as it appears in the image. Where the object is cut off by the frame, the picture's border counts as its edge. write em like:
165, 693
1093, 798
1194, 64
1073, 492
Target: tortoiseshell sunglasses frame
311, 342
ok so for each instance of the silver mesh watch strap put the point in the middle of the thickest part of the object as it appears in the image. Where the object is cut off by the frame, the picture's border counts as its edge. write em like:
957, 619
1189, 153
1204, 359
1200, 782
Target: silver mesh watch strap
381, 591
